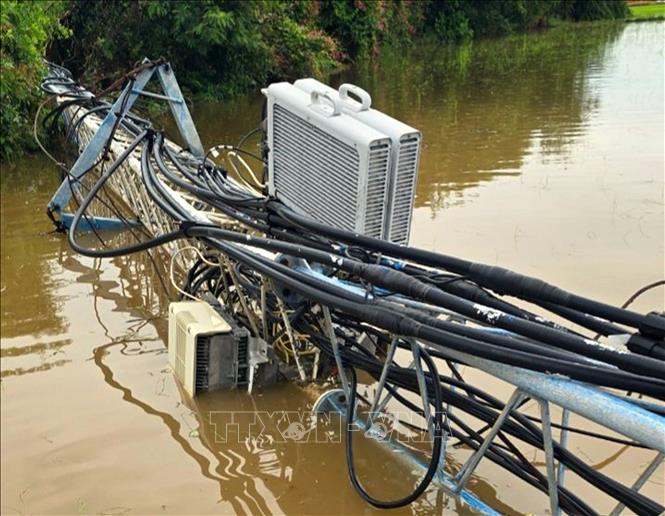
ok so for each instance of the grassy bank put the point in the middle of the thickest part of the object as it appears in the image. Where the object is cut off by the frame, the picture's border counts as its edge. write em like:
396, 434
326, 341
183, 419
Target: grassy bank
222, 48
647, 12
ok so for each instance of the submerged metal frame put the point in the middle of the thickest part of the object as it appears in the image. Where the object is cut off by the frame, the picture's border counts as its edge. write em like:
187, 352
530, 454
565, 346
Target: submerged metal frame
119, 109
628, 418
570, 397
335, 400
624, 416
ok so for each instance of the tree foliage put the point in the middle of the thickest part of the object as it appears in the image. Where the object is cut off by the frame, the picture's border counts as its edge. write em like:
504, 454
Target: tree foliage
225, 47
219, 48
25, 31
463, 19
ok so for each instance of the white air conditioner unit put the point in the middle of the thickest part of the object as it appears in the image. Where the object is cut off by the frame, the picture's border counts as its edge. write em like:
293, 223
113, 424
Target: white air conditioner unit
324, 163
405, 153
195, 328
209, 350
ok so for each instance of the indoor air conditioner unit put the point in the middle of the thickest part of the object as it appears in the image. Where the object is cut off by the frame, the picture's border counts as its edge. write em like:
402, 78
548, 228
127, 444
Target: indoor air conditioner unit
324, 163
405, 153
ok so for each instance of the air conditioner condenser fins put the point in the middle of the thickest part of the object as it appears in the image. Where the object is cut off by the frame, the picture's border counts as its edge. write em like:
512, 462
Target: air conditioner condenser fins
339, 161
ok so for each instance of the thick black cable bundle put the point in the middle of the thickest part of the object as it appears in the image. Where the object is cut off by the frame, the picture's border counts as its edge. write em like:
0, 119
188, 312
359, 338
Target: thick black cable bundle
449, 283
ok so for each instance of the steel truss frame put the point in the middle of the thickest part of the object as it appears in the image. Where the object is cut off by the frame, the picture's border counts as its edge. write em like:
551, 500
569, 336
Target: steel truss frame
626, 416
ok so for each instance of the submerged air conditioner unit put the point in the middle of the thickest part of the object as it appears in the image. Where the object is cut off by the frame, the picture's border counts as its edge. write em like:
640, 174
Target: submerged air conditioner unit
205, 351
405, 154
324, 163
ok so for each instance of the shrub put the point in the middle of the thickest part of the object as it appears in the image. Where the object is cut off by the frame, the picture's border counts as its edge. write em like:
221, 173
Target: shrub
221, 48
25, 31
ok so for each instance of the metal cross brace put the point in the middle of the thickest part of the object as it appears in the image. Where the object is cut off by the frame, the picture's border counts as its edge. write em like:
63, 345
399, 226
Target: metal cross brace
327, 320
642, 479
548, 447
120, 108
468, 468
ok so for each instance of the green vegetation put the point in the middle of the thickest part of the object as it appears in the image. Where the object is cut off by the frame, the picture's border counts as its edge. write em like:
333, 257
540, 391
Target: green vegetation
648, 12
26, 28
222, 48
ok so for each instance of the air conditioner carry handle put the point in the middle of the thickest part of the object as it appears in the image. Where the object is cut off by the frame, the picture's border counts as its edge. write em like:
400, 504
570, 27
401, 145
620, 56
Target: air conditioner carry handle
365, 99
318, 96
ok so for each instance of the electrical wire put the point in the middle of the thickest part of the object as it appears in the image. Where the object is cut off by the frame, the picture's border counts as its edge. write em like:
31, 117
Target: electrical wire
373, 287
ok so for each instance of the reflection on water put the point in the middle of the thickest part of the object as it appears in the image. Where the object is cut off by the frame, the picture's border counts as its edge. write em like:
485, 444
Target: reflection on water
542, 152
28, 273
480, 106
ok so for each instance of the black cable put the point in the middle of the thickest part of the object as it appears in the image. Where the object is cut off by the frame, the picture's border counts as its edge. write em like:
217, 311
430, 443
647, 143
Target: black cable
436, 446
539, 345
496, 278
109, 253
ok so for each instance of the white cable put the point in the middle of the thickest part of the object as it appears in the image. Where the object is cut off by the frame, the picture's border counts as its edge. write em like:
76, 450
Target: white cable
237, 156
240, 176
231, 153
172, 271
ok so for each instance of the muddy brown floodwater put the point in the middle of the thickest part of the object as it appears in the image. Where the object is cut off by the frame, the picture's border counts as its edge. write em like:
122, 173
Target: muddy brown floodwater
543, 153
